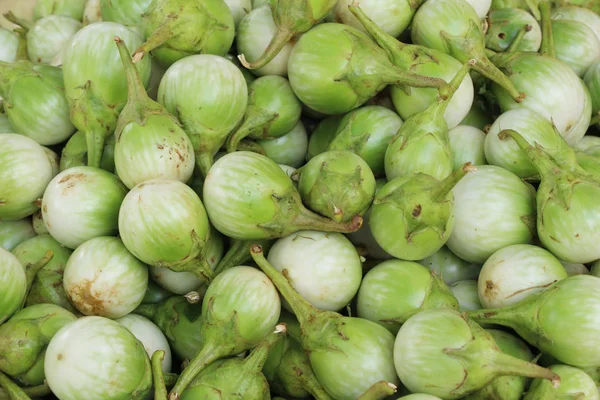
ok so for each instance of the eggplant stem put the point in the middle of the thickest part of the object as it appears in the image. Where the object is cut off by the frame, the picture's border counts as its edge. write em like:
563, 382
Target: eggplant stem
547, 48
156, 39
160, 390
278, 41
13, 390
23, 23
518, 39
302, 308
204, 357
379, 390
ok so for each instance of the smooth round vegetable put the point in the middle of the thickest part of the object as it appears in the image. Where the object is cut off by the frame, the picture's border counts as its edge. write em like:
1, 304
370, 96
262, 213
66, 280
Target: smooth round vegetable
96, 358
13, 283
515, 272
324, 268
467, 145
25, 173
289, 149
163, 223
576, 44
573, 382
395, 290
151, 337
393, 16
450, 267
103, 278
82, 203
493, 208
337, 184
49, 37
14, 232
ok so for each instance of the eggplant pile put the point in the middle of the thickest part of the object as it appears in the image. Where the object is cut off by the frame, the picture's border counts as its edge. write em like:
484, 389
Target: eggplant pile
300, 199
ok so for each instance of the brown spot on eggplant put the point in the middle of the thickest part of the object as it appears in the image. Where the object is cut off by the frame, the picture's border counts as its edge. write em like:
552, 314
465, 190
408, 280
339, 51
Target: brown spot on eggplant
491, 290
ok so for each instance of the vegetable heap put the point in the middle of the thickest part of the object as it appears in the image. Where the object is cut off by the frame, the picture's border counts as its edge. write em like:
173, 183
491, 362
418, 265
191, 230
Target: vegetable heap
286, 199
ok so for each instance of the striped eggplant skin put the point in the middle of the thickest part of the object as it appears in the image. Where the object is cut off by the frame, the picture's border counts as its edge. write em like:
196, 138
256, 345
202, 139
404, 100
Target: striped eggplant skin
367, 131
13, 284
239, 9
592, 82
482, 7
126, 12
82, 203
466, 294
103, 278
150, 335
208, 95
576, 44
289, 149
535, 129
324, 268
10, 43
553, 90
467, 145
97, 358
163, 221
393, 16
25, 173
14, 232
69, 8
49, 36
32, 90
493, 208
157, 149
238, 193
95, 81
93, 56
394, 290
451, 16
580, 14
251, 294
561, 321
515, 272
574, 383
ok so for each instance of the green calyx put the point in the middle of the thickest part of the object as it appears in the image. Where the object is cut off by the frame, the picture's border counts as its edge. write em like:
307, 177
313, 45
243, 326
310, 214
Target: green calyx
221, 338
95, 118
291, 17
472, 47
139, 106
246, 373
337, 184
363, 79
485, 362
522, 317
291, 216
176, 29
23, 341
75, 153
558, 178
402, 55
424, 135
256, 123
425, 205
180, 321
